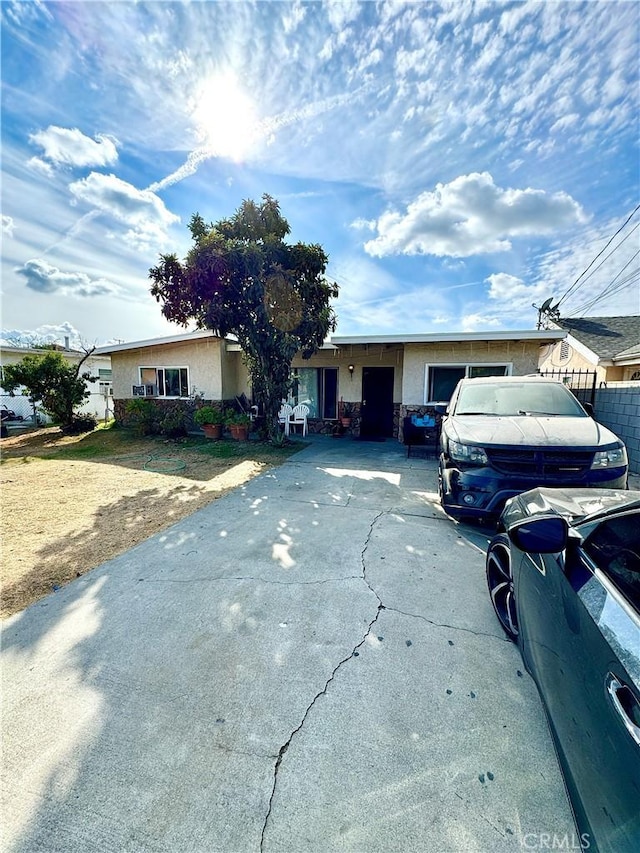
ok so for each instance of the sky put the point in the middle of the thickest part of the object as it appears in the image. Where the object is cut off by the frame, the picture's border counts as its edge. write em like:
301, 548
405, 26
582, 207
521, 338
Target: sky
458, 162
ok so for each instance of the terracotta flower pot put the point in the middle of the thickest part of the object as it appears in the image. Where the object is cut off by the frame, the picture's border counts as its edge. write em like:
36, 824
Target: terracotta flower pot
240, 432
212, 430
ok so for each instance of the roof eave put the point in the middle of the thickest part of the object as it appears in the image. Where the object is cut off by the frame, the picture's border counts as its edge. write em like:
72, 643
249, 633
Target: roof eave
154, 342
537, 336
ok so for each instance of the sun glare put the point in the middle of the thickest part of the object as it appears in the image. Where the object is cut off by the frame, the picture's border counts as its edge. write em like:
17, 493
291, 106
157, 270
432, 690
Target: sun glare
225, 117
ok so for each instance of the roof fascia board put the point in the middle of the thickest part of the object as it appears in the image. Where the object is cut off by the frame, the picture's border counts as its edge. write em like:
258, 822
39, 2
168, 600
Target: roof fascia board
539, 336
627, 361
154, 342
583, 349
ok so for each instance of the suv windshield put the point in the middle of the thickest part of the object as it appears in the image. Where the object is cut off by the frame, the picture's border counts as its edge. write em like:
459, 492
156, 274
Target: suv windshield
514, 398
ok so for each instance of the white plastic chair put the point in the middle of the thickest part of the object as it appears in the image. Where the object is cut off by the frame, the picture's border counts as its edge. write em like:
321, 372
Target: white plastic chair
284, 416
300, 414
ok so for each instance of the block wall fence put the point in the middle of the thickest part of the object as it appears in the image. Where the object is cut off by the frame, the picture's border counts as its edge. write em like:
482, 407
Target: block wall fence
618, 408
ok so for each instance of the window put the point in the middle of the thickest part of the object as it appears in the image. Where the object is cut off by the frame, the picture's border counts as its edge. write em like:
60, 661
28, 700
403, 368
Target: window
441, 380
317, 387
165, 381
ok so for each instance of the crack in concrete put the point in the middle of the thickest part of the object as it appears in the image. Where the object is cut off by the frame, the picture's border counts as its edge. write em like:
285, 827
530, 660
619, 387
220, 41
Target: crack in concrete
283, 749
364, 551
232, 751
381, 606
446, 625
251, 578
415, 615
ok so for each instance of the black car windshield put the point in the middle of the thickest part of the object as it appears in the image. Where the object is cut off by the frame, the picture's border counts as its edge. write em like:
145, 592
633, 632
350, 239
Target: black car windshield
518, 398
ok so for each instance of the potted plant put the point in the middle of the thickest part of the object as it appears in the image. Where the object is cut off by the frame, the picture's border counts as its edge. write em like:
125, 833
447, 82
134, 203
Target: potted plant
344, 413
238, 424
210, 420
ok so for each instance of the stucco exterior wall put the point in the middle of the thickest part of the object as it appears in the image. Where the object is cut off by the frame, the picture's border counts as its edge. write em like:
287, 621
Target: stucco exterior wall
575, 360
552, 360
522, 356
202, 357
360, 356
235, 376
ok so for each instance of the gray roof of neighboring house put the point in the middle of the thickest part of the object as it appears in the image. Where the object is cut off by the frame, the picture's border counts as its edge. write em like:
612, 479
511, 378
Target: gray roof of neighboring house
607, 337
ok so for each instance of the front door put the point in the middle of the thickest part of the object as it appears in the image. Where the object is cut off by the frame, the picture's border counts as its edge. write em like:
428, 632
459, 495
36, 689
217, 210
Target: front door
377, 402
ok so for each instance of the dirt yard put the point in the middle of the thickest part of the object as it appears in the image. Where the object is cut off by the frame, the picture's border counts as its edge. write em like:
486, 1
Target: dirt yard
70, 503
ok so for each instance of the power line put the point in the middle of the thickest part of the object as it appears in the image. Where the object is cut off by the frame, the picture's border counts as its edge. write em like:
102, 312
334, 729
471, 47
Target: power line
605, 259
612, 289
575, 283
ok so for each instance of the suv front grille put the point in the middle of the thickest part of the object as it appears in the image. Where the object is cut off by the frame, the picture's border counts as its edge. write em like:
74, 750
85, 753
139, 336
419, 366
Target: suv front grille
547, 464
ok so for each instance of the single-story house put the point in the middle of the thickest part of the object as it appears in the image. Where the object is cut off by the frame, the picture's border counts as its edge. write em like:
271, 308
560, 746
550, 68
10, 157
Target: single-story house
381, 379
608, 346
98, 365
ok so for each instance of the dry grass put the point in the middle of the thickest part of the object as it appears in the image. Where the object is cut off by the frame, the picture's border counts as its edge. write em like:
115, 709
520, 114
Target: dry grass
71, 502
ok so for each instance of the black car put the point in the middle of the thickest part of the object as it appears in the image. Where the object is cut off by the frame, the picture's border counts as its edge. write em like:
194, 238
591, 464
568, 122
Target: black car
502, 435
564, 579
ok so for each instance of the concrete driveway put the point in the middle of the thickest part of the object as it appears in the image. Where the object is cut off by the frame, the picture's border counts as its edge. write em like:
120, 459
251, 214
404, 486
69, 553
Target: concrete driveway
310, 663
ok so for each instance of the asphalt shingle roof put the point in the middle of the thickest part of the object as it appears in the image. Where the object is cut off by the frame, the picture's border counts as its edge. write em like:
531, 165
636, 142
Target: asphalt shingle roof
607, 337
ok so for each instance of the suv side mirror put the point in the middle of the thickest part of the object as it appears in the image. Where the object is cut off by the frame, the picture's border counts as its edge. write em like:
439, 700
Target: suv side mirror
588, 409
441, 408
547, 534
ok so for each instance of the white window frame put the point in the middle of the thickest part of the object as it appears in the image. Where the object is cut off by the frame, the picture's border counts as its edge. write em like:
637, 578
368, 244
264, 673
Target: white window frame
508, 365
163, 367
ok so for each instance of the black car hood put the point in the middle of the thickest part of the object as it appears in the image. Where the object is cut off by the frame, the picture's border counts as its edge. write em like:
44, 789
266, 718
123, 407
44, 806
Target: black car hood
529, 430
574, 504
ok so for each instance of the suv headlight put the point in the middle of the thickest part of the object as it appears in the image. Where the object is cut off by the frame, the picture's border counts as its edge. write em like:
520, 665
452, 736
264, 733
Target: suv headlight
467, 453
614, 457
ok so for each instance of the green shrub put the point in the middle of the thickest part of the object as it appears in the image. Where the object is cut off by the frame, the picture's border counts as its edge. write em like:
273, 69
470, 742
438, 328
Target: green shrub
142, 416
80, 423
174, 423
233, 418
208, 415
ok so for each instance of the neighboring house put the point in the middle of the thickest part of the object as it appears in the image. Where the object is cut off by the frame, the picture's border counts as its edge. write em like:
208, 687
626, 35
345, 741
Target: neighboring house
383, 378
607, 351
610, 346
98, 365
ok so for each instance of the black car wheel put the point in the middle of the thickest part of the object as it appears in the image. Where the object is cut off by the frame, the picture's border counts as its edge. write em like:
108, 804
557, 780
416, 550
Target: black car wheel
500, 583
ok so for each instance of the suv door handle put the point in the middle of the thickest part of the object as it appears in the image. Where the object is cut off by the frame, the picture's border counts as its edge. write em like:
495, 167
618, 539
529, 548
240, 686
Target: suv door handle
625, 704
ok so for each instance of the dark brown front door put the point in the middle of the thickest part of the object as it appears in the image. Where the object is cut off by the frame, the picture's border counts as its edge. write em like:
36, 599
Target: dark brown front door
377, 402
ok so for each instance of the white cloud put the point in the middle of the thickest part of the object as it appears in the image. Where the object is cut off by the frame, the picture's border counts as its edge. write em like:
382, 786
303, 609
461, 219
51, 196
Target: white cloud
70, 147
7, 225
361, 224
471, 216
513, 294
45, 278
293, 17
142, 210
479, 322
37, 164
342, 12
47, 334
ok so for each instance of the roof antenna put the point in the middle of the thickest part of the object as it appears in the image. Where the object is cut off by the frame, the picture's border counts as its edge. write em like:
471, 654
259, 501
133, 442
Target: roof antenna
547, 313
